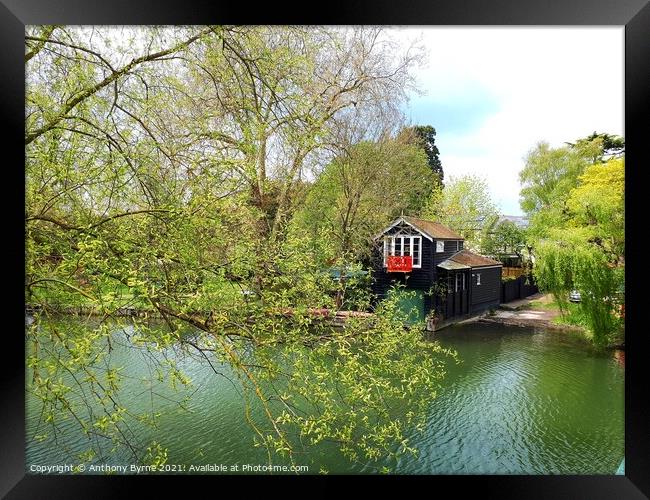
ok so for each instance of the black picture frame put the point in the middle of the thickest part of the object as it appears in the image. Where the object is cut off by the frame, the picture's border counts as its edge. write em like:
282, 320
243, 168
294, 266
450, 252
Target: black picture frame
634, 14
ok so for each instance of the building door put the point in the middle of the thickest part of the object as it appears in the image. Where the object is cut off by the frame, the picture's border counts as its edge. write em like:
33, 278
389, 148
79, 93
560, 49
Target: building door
458, 285
458, 295
464, 291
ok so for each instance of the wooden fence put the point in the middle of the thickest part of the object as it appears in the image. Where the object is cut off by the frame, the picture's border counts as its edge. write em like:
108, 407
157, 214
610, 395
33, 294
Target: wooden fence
512, 271
518, 288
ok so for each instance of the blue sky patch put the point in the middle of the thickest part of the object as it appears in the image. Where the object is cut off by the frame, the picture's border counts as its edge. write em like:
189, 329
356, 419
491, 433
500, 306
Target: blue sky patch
455, 114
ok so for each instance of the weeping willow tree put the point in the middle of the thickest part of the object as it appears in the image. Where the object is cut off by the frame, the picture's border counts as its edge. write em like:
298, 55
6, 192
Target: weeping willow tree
150, 158
586, 250
564, 267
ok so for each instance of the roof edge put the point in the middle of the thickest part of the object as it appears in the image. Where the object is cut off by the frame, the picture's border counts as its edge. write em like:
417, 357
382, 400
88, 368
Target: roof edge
493, 263
402, 219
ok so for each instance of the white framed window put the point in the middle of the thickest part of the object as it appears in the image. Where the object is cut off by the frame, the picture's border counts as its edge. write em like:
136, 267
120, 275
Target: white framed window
440, 246
458, 282
403, 245
478, 278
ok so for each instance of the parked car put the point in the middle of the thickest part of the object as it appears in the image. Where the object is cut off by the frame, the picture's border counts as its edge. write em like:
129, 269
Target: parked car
574, 296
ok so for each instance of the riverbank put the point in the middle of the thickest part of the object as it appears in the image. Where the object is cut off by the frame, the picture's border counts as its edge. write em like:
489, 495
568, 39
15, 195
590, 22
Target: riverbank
538, 310
336, 318
541, 311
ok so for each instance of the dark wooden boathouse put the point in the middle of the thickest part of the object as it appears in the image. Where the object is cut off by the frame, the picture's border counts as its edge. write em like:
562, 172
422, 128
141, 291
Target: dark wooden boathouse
430, 259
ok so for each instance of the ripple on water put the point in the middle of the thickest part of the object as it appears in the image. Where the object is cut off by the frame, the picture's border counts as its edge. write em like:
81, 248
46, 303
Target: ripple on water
520, 402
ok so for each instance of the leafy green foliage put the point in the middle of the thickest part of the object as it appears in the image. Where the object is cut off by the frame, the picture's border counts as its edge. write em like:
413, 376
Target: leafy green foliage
368, 388
607, 145
163, 169
549, 176
425, 137
598, 203
505, 238
359, 193
584, 249
583, 267
464, 204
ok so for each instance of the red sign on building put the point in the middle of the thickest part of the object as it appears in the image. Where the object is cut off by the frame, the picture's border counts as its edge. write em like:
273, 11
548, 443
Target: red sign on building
400, 264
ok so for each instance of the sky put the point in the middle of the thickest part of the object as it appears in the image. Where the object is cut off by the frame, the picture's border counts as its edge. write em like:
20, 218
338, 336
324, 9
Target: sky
492, 93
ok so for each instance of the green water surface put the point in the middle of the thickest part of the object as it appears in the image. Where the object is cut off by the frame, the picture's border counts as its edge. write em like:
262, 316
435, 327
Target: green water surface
521, 401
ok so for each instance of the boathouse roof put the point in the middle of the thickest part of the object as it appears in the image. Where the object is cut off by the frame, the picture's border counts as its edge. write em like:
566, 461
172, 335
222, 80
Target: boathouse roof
465, 259
426, 227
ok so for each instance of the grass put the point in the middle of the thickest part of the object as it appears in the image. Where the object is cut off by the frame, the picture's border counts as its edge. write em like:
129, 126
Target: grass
542, 304
571, 316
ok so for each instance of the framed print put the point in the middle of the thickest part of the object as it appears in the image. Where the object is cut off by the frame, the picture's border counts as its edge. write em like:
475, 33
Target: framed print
379, 241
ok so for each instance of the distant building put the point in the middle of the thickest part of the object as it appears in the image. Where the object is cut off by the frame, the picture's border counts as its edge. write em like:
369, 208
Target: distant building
520, 221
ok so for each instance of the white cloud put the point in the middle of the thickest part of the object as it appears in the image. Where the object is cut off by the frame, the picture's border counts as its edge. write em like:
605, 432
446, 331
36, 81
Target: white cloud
552, 84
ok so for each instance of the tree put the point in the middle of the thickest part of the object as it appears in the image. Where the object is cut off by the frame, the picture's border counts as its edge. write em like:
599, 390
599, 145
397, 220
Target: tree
586, 251
275, 98
359, 193
98, 75
549, 175
465, 206
610, 146
425, 137
575, 201
547, 178
162, 165
505, 238
598, 203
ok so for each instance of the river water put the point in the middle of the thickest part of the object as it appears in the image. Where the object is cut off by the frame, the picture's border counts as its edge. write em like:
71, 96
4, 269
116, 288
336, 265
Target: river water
521, 401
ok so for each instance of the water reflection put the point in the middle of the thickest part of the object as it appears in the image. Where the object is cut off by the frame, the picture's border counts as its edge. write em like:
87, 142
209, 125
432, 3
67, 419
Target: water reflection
520, 402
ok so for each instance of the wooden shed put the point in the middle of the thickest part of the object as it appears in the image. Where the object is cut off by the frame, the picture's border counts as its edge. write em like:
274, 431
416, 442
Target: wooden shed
430, 259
